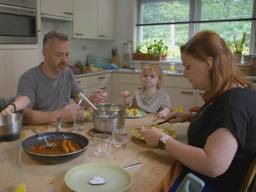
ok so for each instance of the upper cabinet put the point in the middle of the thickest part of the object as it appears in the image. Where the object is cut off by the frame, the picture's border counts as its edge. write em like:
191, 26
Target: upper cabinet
57, 9
94, 19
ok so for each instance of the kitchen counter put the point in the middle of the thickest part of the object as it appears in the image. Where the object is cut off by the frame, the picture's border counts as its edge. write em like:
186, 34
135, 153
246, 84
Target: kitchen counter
154, 175
168, 73
123, 71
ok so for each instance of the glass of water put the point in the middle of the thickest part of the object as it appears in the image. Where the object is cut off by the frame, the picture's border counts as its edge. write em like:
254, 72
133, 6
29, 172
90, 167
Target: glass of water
78, 118
120, 136
102, 144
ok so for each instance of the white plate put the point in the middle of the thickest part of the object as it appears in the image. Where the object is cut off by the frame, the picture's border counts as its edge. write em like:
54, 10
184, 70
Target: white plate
116, 178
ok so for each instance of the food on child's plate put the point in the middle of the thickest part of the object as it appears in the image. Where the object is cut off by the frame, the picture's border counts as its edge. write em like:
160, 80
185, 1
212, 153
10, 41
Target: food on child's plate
134, 112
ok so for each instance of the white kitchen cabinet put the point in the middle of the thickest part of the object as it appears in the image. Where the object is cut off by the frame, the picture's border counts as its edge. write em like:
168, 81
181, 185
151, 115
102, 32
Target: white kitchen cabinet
94, 19
14, 62
58, 9
181, 97
199, 99
89, 84
124, 81
180, 91
178, 88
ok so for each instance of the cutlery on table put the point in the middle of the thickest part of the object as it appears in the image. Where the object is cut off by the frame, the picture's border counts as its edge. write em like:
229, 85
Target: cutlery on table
132, 165
154, 123
47, 144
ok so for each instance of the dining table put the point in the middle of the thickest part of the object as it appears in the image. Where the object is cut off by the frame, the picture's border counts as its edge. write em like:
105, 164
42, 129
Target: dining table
156, 173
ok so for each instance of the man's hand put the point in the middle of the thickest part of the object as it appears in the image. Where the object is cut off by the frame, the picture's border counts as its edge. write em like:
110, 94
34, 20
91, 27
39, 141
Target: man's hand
99, 96
8, 110
67, 112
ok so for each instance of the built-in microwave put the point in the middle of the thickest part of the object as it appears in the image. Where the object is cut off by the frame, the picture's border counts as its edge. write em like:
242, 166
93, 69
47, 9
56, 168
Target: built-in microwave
18, 22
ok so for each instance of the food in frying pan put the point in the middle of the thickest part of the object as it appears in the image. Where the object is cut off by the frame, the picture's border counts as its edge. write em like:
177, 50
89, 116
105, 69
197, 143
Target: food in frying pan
61, 146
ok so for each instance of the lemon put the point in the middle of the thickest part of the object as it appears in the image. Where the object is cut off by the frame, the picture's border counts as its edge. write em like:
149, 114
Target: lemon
21, 188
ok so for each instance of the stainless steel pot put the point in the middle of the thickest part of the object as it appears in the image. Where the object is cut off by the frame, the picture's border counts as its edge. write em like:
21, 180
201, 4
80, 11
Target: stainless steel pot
108, 116
10, 126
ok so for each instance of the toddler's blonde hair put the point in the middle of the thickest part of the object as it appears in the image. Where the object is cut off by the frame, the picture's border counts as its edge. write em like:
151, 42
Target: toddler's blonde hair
153, 69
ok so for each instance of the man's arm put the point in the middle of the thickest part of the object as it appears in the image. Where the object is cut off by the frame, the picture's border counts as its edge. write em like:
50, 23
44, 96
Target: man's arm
33, 117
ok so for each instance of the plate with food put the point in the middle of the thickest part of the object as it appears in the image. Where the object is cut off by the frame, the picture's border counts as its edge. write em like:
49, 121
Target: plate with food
167, 130
64, 146
134, 113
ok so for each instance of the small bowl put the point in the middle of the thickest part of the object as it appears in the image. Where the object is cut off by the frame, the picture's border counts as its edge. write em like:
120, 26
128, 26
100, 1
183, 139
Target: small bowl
34, 140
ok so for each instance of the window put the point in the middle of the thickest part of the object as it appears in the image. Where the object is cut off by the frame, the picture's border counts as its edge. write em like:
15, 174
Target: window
175, 21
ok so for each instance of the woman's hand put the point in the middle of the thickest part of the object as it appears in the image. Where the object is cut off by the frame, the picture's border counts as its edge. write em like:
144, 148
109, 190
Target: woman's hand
151, 135
163, 114
175, 117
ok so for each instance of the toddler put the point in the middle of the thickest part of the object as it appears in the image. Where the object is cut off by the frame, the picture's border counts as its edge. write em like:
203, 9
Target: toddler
151, 98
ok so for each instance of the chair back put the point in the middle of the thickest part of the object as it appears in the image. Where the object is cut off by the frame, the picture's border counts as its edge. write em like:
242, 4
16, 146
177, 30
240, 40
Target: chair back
250, 177
191, 183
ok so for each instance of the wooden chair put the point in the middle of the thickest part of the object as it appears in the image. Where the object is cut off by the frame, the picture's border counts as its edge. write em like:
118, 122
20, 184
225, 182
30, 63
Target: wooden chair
250, 177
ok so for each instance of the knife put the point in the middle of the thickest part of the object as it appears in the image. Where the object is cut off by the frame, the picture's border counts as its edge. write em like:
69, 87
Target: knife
132, 165
158, 123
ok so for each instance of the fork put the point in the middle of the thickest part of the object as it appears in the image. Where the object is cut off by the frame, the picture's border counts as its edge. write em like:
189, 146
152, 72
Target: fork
47, 144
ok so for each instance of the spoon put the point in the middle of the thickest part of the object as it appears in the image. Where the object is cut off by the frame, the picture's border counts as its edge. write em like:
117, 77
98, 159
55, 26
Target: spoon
47, 144
58, 124
88, 101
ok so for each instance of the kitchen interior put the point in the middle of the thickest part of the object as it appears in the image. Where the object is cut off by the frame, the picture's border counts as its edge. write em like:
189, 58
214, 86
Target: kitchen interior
103, 38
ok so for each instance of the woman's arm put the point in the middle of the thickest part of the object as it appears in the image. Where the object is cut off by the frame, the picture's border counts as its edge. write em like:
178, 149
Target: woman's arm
213, 160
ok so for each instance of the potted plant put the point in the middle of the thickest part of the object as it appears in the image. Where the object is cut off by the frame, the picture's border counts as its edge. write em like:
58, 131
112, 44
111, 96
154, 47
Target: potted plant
155, 50
238, 48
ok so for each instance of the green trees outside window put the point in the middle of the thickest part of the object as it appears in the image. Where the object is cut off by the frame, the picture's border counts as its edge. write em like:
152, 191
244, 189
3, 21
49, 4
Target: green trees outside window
182, 25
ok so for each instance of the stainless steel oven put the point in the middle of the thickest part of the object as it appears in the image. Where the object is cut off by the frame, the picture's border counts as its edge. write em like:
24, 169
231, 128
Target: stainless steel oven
18, 22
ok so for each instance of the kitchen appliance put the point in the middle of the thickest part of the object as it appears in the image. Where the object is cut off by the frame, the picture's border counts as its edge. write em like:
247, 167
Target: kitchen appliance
108, 116
10, 166
18, 21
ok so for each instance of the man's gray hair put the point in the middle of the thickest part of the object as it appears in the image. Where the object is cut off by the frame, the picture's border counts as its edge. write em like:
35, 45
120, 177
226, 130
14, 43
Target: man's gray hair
55, 34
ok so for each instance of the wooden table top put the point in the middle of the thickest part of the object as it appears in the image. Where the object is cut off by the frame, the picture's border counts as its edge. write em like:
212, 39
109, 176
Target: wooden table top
154, 174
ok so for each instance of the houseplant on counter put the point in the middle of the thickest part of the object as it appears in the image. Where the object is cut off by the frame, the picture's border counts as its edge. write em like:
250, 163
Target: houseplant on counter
156, 50
238, 48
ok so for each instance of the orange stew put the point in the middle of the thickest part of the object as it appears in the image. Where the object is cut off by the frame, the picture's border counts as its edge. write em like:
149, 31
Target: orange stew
61, 146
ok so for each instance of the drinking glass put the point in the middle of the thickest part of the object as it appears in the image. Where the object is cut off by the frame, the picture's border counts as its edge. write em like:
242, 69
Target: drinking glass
120, 136
102, 143
78, 118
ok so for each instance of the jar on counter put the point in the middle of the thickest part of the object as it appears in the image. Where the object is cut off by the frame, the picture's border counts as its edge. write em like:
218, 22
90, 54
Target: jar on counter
127, 54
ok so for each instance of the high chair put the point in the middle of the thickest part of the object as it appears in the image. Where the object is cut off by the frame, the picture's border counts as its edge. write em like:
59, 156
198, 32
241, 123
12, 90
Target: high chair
250, 177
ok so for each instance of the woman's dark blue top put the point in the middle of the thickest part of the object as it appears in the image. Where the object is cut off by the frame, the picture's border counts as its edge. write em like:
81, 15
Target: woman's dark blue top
235, 110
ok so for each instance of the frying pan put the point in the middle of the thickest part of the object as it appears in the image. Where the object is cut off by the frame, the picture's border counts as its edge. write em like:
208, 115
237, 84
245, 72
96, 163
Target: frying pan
34, 140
